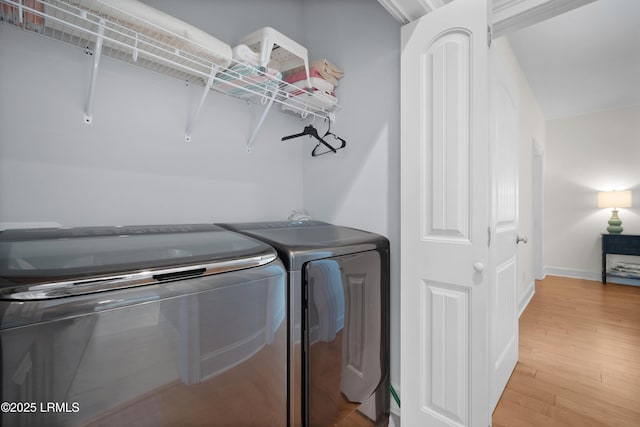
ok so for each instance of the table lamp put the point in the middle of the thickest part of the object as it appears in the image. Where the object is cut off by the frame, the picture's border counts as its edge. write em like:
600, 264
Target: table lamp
614, 199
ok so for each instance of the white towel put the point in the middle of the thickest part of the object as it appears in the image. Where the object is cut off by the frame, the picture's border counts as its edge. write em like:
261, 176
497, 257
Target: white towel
243, 53
134, 15
327, 70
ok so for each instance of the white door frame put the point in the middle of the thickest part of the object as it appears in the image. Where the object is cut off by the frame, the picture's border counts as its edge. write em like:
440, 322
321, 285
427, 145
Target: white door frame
512, 15
538, 210
507, 15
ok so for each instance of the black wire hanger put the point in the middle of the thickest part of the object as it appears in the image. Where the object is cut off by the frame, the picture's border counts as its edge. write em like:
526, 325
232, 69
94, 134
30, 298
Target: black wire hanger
313, 132
343, 143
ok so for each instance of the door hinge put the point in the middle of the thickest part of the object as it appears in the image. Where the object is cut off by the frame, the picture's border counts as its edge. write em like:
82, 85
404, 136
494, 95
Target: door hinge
488, 236
489, 35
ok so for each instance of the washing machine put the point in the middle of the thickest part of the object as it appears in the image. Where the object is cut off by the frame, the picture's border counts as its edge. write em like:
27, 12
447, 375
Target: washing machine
145, 325
338, 286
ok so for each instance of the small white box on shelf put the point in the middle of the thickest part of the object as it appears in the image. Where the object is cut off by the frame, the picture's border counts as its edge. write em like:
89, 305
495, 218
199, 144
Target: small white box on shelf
277, 50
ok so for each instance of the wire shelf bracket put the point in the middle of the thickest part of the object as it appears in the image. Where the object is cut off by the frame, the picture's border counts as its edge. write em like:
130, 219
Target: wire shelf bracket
252, 138
88, 109
196, 112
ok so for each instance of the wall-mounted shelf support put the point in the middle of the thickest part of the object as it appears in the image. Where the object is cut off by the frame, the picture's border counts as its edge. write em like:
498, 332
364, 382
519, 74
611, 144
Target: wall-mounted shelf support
135, 49
196, 112
88, 109
20, 14
261, 121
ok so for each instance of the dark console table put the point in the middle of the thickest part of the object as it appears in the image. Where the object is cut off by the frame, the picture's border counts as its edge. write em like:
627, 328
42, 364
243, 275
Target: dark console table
618, 244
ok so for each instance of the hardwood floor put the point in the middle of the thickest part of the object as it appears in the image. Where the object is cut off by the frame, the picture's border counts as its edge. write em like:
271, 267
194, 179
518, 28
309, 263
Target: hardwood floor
579, 361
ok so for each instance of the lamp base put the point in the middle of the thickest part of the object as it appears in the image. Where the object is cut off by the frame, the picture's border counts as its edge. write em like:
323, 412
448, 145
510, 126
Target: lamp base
615, 223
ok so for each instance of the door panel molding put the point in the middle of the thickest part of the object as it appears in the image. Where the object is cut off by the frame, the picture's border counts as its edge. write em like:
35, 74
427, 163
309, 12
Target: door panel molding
445, 358
504, 220
445, 90
505, 311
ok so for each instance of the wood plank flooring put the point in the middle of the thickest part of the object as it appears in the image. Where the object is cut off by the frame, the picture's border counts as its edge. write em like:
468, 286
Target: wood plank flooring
579, 361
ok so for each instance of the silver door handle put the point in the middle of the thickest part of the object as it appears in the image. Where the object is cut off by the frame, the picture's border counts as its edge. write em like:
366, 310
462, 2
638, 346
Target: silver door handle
521, 239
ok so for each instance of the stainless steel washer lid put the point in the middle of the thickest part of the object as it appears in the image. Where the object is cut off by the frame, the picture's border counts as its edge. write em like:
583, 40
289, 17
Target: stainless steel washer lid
298, 242
52, 263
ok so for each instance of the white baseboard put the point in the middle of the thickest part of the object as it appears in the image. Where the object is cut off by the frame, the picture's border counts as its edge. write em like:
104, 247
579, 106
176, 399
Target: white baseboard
544, 274
589, 275
526, 298
394, 420
574, 273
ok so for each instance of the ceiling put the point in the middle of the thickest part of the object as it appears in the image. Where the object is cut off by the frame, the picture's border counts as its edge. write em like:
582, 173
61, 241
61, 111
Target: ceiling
584, 60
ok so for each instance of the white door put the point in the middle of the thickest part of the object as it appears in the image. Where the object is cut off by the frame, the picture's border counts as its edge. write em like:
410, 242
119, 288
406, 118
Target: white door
445, 217
504, 222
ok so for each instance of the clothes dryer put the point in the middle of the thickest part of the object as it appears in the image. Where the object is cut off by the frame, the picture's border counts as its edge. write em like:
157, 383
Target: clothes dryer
338, 279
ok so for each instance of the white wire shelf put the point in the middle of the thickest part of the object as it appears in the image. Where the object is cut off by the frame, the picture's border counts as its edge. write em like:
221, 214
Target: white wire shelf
99, 28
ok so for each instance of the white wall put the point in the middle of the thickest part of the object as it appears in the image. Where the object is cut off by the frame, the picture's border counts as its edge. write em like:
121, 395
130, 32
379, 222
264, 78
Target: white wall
360, 187
531, 128
132, 165
584, 155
